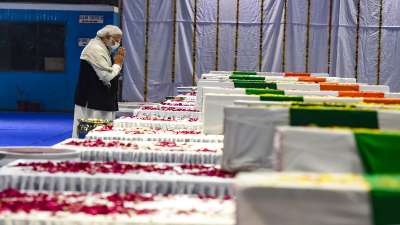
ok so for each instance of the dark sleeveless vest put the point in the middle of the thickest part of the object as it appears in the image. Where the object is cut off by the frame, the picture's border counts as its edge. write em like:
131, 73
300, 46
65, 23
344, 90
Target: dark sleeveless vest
93, 93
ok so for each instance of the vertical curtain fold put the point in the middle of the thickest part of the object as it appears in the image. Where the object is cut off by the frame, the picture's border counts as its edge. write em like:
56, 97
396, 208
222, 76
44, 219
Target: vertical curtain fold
181, 39
133, 25
318, 36
368, 41
390, 54
274, 35
206, 37
217, 36
248, 37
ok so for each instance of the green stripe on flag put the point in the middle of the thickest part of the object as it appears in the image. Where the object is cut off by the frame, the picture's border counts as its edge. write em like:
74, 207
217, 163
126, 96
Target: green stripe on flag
249, 84
243, 77
385, 199
322, 105
269, 97
256, 91
379, 151
333, 117
272, 85
244, 73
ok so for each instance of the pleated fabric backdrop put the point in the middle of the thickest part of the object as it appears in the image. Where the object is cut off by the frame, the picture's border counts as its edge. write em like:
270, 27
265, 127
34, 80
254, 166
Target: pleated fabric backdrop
170, 43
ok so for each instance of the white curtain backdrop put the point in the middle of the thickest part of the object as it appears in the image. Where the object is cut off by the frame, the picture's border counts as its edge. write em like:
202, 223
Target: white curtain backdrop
342, 46
390, 69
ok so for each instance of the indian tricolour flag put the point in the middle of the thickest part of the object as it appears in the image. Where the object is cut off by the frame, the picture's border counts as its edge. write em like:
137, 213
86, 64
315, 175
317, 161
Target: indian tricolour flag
317, 199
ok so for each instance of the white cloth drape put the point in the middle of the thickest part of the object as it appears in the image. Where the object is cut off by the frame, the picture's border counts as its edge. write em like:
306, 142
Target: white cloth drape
151, 156
14, 177
342, 50
319, 32
169, 114
263, 200
310, 149
273, 35
133, 41
390, 44
249, 133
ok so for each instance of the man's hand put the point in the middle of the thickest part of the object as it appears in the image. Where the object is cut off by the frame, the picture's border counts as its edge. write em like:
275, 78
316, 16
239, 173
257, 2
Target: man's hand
119, 57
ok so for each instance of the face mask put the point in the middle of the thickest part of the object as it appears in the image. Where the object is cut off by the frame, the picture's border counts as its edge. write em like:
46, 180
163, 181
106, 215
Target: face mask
115, 46
110, 45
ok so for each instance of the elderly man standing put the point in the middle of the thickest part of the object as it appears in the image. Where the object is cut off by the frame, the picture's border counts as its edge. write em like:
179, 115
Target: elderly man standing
97, 89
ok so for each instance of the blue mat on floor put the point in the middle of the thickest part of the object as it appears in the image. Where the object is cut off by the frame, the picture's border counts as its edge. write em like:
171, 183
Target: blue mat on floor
34, 129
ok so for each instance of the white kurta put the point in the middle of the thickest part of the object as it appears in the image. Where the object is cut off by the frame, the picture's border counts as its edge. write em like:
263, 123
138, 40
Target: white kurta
98, 55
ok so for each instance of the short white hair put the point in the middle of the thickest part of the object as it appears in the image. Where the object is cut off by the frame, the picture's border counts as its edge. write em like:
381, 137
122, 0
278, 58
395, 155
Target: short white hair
109, 30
